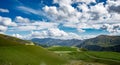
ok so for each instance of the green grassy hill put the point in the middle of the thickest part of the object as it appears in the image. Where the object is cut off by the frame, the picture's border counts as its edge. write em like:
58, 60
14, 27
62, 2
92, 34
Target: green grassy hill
6, 40
62, 48
14, 52
81, 57
108, 58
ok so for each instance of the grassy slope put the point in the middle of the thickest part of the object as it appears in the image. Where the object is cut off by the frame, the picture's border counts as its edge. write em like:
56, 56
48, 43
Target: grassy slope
31, 55
15, 53
88, 56
5, 41
109, 58
62, 48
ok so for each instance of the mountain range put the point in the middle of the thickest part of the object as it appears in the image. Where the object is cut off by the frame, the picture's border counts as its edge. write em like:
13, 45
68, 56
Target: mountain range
60, 42
99, 43
102, 43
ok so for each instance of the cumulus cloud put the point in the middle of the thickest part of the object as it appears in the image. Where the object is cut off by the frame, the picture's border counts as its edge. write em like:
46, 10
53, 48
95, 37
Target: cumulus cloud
18, 36
81, 17
47, 25
115, 28
113, 2
114, 9
84, 17
26, 28
3, 28
50, 33
21, 19
62, 13
52, 8
86, 1
54, 33
4, 10
113, 6
63, 2
25, 24
5, 22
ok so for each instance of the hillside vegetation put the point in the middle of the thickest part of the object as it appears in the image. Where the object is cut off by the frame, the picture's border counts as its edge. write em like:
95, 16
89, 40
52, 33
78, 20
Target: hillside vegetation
14, 52
102, 43
6, 40
83, 57
62, 48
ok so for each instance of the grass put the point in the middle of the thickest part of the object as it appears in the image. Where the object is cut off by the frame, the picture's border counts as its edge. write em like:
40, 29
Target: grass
14, 52
89, 56
106, 55
4, 41
109, 58
28, 55
62, 48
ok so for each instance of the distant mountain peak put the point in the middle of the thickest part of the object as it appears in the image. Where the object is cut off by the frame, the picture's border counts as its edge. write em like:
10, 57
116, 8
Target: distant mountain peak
52, 41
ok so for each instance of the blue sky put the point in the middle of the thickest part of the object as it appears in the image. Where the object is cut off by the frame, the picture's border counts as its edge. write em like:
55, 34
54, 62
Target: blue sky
63, 19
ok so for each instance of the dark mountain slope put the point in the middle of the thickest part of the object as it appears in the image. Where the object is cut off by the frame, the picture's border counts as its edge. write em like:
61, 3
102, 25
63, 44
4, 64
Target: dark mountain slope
102, 43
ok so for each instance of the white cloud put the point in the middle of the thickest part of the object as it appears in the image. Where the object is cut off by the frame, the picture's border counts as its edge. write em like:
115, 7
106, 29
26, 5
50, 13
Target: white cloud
3, 28
93, 17
85, 1
58, 34
100, 8
21, 19
50, 33
18, 36
24, 24
34, 25
83, 7
54, 33
99, 16
7, 21
81, 30
113, 2
64, 2
30, 10
114, 28
51, 10
63, 13
45, 25
26, 28
4, 10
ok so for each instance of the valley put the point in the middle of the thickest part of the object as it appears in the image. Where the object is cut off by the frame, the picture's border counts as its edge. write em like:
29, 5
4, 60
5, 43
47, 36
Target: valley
82, 57
14, 51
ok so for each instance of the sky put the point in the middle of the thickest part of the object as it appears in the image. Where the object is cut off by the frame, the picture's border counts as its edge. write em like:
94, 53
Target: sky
59, 19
